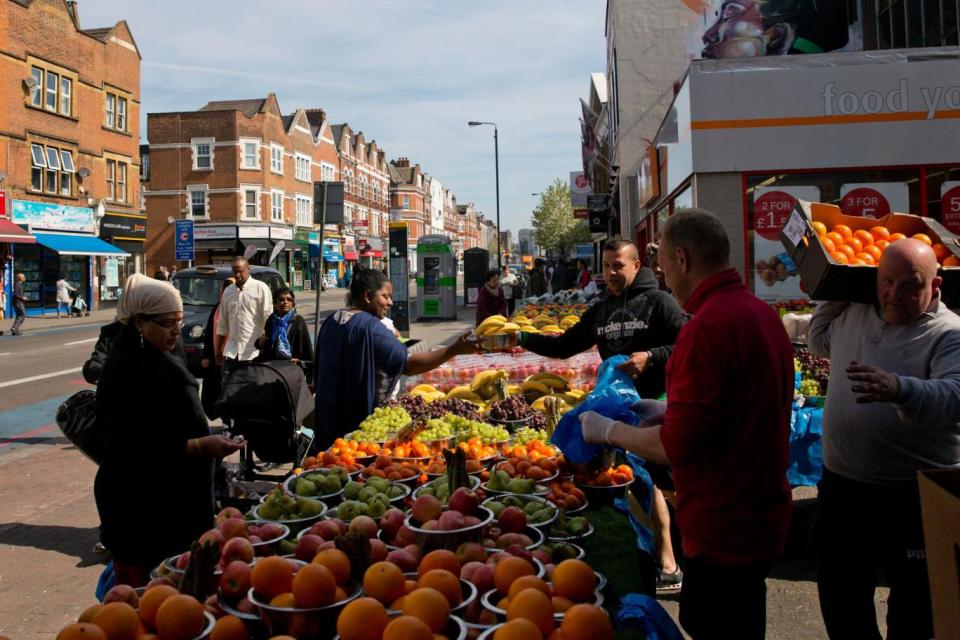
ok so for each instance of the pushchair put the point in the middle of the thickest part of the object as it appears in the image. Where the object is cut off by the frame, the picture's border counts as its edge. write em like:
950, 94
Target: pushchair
267, 403
78, 306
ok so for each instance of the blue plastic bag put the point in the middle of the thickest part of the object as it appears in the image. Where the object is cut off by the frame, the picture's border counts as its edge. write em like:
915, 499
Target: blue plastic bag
106, 581
638, 610
806, 451
613, 396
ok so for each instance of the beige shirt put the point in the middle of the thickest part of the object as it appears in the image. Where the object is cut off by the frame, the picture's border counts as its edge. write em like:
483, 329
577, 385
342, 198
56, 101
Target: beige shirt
243, 317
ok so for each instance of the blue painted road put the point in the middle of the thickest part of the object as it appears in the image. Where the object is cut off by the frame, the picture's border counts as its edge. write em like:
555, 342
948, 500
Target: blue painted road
29, 424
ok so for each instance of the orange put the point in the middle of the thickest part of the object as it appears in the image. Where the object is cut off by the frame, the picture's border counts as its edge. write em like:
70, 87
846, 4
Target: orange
532, 605
151, 601
856, 243
230, 628
882, 244
586, 622
828, 244
519, 629
867, 258
407, 628
314, 586
508, 570
942, 252
840, 257
924, 238
362, 619
339, 594
384, 581
119, 621
443, 581
857, 262
844, 230
952, 261
271, 576
439, 559
528, 582
820, 228
337, 562
561, 604
574, 579
836, 238
880, 232
848, 250
864, 236
428, 605
283, 601
81, 631
180, 617
896, 236
409, 586
89, 612
874, 251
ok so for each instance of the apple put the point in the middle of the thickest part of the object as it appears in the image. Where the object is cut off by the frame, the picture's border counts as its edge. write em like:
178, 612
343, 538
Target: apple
365, 525
451, 521
426, 508
227, 513
237, 549
212, 605
233, 528
415, 551
213, 535
378, 550
480, 574
269, 531
307, 547
341, 525
430, 525
403, 560
471, 552
328, 544
520, 552
511, 539
122, 593
494, 533
404, 537
512, 520
465, 501
543, 556
327, 529
235, 581
391, 521
183, 560
245, 606
471, 521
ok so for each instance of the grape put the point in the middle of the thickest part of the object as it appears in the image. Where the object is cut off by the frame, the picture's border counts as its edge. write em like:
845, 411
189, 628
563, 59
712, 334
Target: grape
460, 428
809, 387
513, 408
523, 435
381, 424
813, 368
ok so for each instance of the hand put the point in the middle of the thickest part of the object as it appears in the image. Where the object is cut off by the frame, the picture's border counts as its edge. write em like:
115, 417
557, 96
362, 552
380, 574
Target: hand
876, 384
218, 446
464, 346
220, 359
595, 427
650, 412
637, 364
205, 363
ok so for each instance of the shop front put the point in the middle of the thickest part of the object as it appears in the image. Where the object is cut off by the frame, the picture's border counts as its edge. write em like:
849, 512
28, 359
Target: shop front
301, 269
127, 232
10, 235
215, 243
746, 140
281, 249
333, 262
370, 252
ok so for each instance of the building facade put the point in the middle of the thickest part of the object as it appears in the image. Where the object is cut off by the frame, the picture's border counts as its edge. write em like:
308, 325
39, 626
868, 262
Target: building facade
69, 154
366, 181
409, 203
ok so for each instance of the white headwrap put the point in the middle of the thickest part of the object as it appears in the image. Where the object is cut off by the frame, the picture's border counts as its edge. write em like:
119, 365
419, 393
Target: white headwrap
146, 296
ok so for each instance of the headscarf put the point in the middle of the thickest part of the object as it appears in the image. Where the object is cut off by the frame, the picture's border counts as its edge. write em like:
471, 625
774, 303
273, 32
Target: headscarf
278, 337
146, 296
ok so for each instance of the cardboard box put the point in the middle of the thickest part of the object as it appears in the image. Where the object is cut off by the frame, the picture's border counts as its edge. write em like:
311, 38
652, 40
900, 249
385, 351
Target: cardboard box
940, 502
827, 279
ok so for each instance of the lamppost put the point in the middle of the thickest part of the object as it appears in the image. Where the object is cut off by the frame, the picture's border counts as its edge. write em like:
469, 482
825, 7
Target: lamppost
496, 165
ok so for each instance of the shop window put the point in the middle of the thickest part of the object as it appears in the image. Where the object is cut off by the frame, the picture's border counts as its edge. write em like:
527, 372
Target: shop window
916, 23
202, 154
36, 99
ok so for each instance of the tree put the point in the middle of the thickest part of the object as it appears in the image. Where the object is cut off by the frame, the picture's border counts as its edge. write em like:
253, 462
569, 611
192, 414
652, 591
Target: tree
554, 227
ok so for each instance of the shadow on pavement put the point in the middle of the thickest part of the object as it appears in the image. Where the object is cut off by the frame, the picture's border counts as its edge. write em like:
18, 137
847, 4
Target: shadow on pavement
51, 440
70, 541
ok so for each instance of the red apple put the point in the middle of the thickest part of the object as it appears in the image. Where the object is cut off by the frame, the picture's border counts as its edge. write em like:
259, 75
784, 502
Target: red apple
403, 560
404, 537
391, 521
518, 551
235, 581
245, 606
512, 520
328, 544
270, 531
378, 550
307, 547
415, 551
213, 535
122, 593
226, 513
327, 529
480, 574
465, 501
365, 525
237, 549
341, 525
471, 552
233, 528
451, 521
183, 560
426, 508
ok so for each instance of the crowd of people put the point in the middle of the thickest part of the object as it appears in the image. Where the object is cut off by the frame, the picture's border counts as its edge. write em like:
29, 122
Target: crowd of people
717, 448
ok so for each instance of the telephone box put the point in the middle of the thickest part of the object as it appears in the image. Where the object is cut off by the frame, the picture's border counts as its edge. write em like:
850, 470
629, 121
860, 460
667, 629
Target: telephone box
436, 278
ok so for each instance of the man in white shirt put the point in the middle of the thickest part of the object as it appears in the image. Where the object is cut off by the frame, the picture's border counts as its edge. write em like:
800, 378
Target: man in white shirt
244, 309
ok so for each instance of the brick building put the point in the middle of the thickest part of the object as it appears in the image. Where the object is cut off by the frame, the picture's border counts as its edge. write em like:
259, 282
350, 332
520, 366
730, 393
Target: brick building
408, 203
69, 154
244, 172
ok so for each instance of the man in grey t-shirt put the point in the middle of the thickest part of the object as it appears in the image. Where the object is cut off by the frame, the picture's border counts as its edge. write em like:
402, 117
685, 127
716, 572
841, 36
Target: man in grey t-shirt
897, 412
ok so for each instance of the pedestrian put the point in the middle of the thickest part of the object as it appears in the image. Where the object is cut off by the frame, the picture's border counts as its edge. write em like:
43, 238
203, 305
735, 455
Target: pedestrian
286, 335
491, 299
161, 274
510, 286
148, 409
583, 274
63, 296
558, 278
633, 318
212, 343
897, 413
537, 283
347, 277
724, 431
173, 272
244, 309
19, 304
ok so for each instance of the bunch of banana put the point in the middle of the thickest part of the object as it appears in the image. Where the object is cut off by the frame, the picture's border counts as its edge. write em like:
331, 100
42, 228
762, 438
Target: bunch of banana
496, 325
490, 384
550, 380
574, 396
428, 392
463, 392
542, 321
533, 390
568, 322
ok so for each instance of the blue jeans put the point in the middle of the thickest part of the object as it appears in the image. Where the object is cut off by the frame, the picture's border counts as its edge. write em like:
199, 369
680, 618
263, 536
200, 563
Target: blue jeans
19, 313
66, 307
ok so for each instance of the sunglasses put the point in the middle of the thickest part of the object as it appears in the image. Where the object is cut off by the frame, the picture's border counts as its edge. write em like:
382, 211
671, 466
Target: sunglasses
167, 323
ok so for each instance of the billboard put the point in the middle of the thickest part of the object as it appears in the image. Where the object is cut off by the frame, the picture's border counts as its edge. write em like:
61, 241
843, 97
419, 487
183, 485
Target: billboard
721, 29
53, 217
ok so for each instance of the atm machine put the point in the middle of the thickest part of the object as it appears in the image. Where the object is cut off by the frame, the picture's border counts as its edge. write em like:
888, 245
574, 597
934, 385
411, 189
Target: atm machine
436, 278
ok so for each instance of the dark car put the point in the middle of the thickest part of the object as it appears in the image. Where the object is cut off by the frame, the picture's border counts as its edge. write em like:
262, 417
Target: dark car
200, 289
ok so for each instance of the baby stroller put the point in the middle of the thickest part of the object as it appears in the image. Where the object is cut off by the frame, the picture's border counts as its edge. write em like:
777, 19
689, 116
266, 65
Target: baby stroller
78, 306
266, 403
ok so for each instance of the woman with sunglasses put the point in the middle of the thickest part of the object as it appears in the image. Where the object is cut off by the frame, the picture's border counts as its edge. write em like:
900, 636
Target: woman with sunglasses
154, 488
286, 335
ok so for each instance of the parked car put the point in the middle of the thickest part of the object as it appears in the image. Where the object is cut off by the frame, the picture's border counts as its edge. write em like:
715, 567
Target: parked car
200, 289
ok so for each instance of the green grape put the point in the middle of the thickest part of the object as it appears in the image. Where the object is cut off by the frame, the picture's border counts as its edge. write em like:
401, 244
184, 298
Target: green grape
526, 434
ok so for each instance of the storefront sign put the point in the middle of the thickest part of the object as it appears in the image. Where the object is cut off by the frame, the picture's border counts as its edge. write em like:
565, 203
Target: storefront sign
950, 206
254, 232
579, 189
208, 232
54, 217
3, 204
775, 275
361, 223
112, 225
281, 233
112, 273
648, 178
584, 250
183, 240
874, 200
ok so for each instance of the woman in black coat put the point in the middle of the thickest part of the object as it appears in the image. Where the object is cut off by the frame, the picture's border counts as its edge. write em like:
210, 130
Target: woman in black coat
210, 392
154, 489
286, 335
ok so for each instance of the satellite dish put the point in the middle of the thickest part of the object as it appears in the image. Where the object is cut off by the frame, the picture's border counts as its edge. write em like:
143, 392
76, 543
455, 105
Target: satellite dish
171, 219
277, 248
250, 251
30, 82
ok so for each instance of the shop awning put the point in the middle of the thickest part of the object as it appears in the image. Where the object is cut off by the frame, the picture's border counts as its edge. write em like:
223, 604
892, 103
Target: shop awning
9, 232
371, 253
350, 255
77, 245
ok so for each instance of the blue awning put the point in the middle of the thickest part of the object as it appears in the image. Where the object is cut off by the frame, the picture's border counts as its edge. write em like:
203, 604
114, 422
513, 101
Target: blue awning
78, 245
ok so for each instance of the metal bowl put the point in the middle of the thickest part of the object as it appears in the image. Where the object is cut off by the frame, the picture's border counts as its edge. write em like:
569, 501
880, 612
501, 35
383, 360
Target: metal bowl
319, 622
436, 539
496, 342
502, 615
527, 499
581, 536
538, 490
536, 536
549, 478
474, 484
328, 498
510, 425
456, 628
604, 495
297, 525
581, 552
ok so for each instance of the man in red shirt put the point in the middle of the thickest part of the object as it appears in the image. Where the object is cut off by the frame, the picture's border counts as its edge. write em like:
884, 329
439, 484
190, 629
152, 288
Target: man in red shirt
724, 431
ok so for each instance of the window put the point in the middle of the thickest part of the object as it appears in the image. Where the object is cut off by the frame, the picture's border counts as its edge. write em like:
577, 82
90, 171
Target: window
327, 173
303, 167
202, 154
66, 173
53, 81
111, 179
198, 201
276, 158
66, 95
121, 182
250, 158
276, 206
406, 202
121, 114
51, 170
304, 211
916, 23
251, 204
35, 98
110, 120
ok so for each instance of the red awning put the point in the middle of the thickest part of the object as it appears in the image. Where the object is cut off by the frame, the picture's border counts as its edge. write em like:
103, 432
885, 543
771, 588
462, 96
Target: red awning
350, 255
371, 253
10, 232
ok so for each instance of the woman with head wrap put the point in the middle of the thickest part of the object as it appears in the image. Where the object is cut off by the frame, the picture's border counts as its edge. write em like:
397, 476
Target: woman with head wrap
154, 488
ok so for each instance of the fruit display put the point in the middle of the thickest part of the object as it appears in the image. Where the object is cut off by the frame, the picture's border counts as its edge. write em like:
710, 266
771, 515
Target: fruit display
557, 551
814, 372
512, 409
535, 511
539, 470
567, 495
579, 371
279, 506
533, 449
863, 247
620, 475
501, 482
570, 528
410, 449
161, 611
462, 429
380, 425
320, 484
386, 467
440, 488
420, 410
496, 325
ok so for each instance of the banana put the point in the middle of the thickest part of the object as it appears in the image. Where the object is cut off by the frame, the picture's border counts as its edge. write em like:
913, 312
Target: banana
509, 327
547, 328
571, 399
464, 393
533, 385
423, 388
539, 404
482, 378
513, 389
496, 318
521, 320
573, 319
489, 323
529, 329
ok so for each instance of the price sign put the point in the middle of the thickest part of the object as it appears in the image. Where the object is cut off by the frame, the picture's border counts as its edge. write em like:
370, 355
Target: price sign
770, 213
865, 202
950, 206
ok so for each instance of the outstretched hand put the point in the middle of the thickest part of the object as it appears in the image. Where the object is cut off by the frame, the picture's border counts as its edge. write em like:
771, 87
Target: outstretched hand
874, 383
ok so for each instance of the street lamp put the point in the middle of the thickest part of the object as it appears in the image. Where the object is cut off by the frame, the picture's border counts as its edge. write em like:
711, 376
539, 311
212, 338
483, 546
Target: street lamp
496, 165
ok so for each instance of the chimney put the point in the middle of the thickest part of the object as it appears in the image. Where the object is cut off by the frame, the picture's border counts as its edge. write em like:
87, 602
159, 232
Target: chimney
401, 162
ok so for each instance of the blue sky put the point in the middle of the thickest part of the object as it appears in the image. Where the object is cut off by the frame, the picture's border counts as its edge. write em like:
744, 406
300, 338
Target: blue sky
409, 74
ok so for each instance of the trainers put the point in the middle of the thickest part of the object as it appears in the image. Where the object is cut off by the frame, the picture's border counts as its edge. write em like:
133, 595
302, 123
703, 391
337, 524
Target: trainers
670, 581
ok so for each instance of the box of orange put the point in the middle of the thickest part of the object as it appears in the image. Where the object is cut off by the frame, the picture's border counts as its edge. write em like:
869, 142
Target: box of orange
836, 254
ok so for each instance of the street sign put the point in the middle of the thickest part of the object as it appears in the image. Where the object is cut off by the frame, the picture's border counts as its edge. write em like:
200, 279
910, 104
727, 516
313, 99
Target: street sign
584, 250
328, 203
183, 240
598, 202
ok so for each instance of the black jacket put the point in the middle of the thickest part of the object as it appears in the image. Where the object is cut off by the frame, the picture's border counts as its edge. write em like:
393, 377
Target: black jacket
301, 343
153, 500
93, 367
643, 319
211, 375
537, 284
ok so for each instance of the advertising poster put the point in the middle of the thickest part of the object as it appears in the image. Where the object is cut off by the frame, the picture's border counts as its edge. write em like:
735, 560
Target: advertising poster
950, 206
775, 275
722, 29
112, 273
579, 190
55, 217
874, 199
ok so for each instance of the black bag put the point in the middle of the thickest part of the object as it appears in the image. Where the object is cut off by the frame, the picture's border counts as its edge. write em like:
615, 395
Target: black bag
77, 419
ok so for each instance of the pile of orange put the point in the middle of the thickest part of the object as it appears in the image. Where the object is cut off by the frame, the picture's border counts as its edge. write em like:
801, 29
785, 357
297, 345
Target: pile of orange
475, 449
286, 585
864, 247
386, 467
566, 495
534, 449
412, 449
437, 466
343, 453
161, 611
621, 474
525, 467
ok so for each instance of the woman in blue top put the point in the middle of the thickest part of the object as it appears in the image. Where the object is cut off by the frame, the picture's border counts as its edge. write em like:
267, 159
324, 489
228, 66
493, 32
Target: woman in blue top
359, 359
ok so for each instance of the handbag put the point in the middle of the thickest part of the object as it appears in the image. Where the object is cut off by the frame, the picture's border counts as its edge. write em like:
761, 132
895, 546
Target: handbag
77, 419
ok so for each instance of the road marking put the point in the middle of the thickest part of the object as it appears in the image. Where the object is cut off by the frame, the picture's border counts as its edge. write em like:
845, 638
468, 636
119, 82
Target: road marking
6, 353
67, 344
44, 376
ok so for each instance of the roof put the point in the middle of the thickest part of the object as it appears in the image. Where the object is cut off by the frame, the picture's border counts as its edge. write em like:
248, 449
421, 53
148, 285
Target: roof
248, 107
287, 121
401, 175
100, 33
337, 130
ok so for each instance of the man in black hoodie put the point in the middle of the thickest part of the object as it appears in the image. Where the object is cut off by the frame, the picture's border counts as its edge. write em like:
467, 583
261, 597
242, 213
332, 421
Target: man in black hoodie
636, 319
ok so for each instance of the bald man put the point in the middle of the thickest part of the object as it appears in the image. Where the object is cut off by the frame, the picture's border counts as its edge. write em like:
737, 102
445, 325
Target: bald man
244, 309
897, 412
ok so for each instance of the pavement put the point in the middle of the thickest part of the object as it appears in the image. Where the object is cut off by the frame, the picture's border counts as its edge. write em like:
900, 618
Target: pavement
48, 525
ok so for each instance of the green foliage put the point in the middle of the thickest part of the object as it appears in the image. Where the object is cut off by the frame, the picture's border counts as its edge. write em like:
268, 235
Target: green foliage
554, 227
